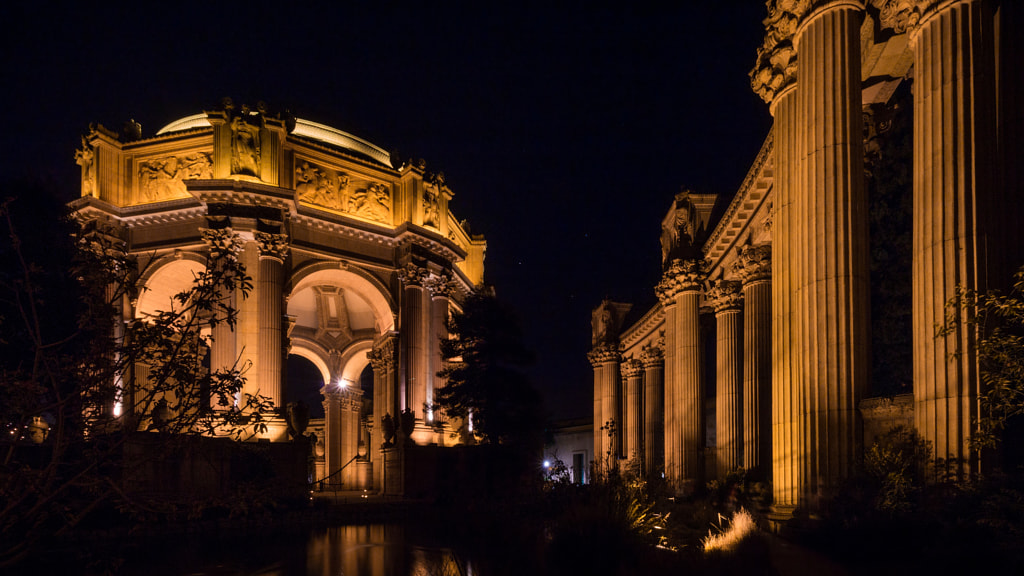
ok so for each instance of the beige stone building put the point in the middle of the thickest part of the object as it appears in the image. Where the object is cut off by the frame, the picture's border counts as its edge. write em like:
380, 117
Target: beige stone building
758, 354
355, 261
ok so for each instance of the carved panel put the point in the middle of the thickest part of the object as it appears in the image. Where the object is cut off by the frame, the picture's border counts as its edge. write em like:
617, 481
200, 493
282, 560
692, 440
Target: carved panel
164, 178
338, 191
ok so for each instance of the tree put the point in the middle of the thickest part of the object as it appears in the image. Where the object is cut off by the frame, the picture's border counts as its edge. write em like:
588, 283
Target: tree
998, 319
485, 384
71, 405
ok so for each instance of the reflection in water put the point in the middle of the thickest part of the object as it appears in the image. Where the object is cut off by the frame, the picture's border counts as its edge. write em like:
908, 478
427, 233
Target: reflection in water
378, 550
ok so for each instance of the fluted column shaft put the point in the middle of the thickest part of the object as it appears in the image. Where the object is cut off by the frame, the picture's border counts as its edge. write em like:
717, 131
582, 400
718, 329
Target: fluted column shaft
953, 207
333, 432
754, 268
438, 331
832, 207
598, 414
611, 410
632, 447
247, 328
726, 298
672, 438
415, 326
654, 409
351, 400
271, 281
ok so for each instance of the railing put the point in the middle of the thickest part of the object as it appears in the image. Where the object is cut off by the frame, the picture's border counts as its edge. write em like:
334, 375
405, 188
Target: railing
320, 482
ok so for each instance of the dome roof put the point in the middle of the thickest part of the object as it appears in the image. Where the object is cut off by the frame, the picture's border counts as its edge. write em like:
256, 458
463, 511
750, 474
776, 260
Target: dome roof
304, 128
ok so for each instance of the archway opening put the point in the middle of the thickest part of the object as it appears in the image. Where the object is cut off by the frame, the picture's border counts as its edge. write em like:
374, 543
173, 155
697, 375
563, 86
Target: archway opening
304, 384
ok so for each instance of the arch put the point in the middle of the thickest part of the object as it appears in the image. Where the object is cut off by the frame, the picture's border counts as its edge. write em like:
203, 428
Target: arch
306, 350
165, 278
353, 280
356, 358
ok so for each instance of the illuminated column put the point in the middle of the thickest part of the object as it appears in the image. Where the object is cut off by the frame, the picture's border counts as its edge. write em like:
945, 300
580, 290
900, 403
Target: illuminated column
654, 408
247, 328
440, 288
598, 410
382, 360
831, 207
633, 373
684, 390
671, 447
726, 298
754, 269
333, 431
273, 250
222, 243
954, 203
774, 78
607, 355
351, 403
415, 322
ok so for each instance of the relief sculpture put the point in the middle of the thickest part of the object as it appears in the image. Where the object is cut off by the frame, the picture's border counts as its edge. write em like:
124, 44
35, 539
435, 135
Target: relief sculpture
163, 178
320, 186
373, 202
245, 143
86, 159
432, 185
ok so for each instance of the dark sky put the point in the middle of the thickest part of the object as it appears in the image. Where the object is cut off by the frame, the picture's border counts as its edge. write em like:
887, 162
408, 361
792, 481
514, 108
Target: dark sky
563, 130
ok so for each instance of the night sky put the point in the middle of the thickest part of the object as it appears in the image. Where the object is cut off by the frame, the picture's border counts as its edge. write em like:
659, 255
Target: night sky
564, 131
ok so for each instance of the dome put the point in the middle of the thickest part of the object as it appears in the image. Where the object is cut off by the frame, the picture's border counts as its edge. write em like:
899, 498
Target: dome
304, 128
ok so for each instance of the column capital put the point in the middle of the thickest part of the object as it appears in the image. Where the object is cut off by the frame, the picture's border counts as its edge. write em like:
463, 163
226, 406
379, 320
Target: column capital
754, 263
603, 354
652, 355
382, 355
681, 276
413, 275
440, 286
632, 368
273, 246
221, 242
902, 15
726, 295
775, 67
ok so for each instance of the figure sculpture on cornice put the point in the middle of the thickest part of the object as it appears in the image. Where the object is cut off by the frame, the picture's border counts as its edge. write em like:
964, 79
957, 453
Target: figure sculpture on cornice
431, 195
373, 202
86, 159
677, 229
245, 144
605, 322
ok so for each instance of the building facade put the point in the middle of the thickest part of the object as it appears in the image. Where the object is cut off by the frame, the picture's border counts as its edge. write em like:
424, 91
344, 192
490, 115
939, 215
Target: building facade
759, 353
355, 262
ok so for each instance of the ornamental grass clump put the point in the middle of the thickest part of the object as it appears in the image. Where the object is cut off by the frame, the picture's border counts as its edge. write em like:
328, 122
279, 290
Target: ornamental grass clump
728, 539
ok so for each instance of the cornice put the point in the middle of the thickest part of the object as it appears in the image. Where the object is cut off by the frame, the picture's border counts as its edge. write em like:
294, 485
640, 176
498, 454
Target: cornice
747, 202
642, 328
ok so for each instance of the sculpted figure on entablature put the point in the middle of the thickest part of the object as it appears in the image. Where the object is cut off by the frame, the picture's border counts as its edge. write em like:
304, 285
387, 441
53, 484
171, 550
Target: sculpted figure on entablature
164, 178
372, 202
321, 186
245, 142
86, 158
678, 229
606, 321
432, 185
900, 15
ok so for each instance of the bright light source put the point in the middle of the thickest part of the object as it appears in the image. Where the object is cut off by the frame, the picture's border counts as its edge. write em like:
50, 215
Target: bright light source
547, 463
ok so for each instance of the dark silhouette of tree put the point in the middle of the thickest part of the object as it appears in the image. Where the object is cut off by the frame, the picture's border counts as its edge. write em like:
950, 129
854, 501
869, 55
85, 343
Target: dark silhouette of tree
69, 404
485, 384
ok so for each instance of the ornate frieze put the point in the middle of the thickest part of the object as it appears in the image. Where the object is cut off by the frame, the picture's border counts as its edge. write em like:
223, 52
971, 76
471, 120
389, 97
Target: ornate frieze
221, 242
372, 202
321, 186
164, 177
726, 295
652, 355
775, 67
272, 245
754, 263
383, 355
604, 353
681, 276
413, 275
86, 158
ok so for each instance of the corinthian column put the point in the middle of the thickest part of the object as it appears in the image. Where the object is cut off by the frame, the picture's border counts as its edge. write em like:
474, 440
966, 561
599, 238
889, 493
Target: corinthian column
654, 408
607, 357
633, 373
754, 269
954, 209
273, 250
222, 243
440, 288
382, 360
415, 322
833, 208
684, 392
726, 298
774, 78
